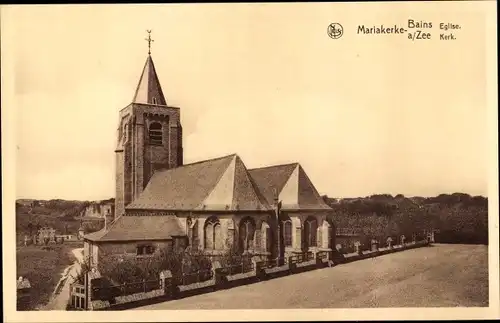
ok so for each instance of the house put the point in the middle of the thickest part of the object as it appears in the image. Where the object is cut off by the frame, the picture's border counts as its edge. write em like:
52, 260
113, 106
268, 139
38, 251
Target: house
99, 209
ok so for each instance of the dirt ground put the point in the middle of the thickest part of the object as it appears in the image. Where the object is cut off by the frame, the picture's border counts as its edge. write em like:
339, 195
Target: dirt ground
437, 276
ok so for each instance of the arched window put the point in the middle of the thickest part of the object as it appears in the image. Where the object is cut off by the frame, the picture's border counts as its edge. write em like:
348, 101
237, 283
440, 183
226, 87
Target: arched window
247, 232
155, 133
287, 232
213, 235
218, 237
311, 229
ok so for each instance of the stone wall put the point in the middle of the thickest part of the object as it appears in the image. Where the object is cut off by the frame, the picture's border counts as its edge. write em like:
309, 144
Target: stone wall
136, 158
260, 270
164, 291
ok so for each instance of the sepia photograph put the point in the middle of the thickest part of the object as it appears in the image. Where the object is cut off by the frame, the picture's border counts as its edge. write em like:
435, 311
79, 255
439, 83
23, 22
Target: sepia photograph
316, 161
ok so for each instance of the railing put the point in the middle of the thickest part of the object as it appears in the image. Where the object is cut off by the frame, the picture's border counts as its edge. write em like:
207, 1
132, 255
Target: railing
108, 292
301, 257
271, 263
239, 268
196, 277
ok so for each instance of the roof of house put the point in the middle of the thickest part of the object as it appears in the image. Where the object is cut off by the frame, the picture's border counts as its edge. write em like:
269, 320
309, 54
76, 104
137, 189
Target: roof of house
216, 184
134, 228
23, 283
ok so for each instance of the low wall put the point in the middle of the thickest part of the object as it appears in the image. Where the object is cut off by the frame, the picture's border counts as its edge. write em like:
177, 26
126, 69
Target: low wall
169, 290
384, 251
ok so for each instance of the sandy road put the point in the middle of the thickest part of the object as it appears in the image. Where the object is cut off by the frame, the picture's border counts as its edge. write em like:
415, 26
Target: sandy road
437, 276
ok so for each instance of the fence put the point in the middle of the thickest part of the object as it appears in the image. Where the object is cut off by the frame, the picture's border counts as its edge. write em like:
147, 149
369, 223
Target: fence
195, 277
185, 284
78, 297
271, 263
301, 257
109, 292
245, 266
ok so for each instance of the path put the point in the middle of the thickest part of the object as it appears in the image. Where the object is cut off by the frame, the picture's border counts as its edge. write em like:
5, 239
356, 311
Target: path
441, 275
60, 299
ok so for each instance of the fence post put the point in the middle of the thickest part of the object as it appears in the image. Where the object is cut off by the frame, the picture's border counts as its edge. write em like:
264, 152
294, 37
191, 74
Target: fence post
218, 276
318, 255
254, 265
166, 282
144, 285
291, 264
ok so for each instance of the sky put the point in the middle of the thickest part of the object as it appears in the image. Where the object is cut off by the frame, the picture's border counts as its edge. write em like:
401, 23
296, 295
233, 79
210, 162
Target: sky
363, 114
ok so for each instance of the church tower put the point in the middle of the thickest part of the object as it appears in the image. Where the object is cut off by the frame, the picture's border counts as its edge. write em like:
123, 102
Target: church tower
149, 137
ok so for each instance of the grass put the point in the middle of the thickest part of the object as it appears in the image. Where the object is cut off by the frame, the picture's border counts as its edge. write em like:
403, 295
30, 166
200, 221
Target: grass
43, 269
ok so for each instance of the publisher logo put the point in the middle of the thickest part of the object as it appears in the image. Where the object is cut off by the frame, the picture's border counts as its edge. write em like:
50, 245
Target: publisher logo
335, 30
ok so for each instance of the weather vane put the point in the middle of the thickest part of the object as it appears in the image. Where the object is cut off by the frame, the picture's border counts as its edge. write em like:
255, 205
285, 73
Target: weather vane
149, 40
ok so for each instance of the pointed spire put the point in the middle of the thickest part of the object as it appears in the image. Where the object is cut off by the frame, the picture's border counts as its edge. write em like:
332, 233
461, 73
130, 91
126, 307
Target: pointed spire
149, 89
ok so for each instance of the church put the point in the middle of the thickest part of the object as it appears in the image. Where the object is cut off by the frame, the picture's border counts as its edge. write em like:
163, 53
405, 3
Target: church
211, 205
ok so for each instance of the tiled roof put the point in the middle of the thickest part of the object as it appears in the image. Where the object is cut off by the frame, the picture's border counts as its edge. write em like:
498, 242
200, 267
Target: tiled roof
217, 184
22, 284
270, 180
291, 183
133, 228
247, 194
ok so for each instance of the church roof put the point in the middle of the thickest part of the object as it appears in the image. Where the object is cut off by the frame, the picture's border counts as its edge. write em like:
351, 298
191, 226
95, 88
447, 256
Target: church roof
149, 89
291, 183
216, 184
270, 180
134, 228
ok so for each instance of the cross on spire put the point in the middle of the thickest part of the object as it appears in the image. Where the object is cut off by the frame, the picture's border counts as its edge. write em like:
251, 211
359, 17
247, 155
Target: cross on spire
149, 40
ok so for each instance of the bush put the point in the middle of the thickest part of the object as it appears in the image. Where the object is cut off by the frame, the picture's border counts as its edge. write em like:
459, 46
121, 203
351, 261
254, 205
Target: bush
460, 217
234, 259
85, 268
122, 270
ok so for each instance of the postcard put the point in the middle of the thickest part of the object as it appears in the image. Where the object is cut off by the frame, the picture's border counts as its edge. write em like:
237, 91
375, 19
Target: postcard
250, 161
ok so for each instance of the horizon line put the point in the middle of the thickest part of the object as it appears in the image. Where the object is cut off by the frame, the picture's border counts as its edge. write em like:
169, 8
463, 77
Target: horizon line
322, 195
